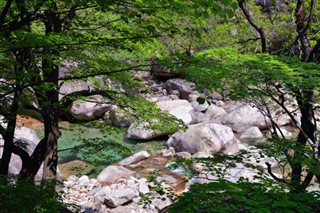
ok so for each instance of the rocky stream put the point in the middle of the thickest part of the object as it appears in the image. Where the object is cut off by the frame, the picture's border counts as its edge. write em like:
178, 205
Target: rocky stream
218, 125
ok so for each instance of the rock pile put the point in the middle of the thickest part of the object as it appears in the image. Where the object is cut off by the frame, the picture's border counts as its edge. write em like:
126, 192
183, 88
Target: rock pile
119, 189
179, 98
126, 189
125, 195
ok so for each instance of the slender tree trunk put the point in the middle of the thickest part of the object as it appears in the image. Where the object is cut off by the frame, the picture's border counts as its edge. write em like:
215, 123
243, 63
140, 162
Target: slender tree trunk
48, 98
51, 116
9, 136
302, 28
305, 99
259, 29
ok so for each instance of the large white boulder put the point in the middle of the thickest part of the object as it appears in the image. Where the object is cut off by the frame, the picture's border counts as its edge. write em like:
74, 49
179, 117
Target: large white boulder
73, 86
89, 109
120, 197
251, 136
215, 112
144, 131
199, 107
244, 117
134, 158
179, 108
113, 174
208, 137
118, 117
256, 157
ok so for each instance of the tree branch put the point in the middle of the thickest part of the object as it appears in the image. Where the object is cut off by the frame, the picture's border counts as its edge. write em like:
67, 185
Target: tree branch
307, 180
4, 12
302, 28
260, 30
23, 154
273, 176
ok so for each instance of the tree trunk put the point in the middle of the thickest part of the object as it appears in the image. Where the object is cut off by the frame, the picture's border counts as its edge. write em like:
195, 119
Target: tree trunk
259, 29
305, 99
48, 97
8, 136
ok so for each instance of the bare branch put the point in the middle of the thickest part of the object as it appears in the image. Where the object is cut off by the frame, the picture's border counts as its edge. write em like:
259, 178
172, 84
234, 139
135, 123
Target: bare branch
273, 175
260, 30
4, 12
302, 28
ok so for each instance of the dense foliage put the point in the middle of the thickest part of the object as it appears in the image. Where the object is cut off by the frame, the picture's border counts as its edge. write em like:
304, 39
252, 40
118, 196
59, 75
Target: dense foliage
27, 196
224, 196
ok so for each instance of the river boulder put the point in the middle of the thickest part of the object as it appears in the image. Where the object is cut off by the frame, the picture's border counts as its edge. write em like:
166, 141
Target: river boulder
208, 137
243, 117
91, 108
184, 87
144, 131
114, 174
134, 158
251, 136
180, 109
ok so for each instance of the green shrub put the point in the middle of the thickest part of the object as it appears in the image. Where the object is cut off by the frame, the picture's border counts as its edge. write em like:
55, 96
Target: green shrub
29, 196
224, 196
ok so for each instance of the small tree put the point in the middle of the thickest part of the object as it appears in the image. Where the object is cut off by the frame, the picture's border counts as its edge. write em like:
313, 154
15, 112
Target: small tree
265, 80
37, 38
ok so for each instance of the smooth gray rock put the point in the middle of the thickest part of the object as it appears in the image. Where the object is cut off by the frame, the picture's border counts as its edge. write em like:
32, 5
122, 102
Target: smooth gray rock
179, 108
83, 180
208, 137
198, 117
73, 86
144, 131
113, 174
118, 117
164, 98
119, 197
251, 136
201, 154
283, 119
199, 107
143, 187
215, 112
244, 117
161, 203
283, 133
168, 152
134, 158
89, 109
183, 155
184, 87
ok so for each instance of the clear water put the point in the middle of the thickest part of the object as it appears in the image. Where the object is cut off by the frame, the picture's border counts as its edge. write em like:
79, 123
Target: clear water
102, 144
